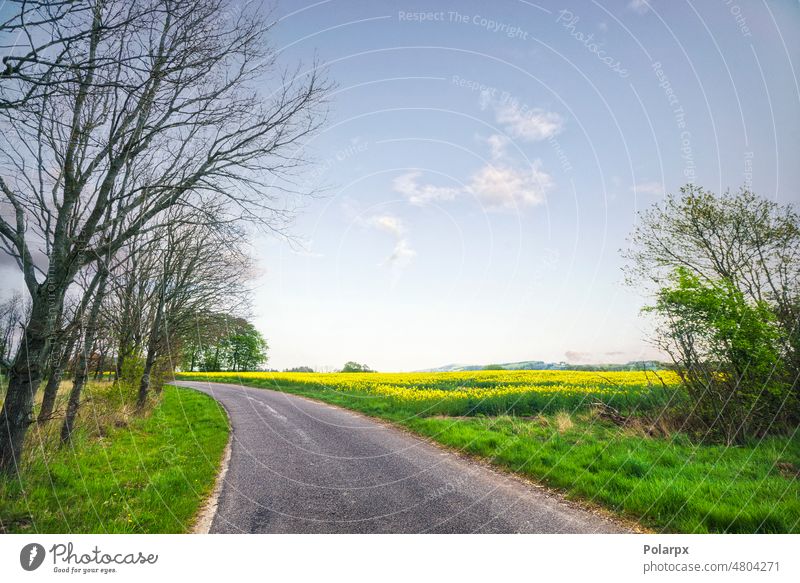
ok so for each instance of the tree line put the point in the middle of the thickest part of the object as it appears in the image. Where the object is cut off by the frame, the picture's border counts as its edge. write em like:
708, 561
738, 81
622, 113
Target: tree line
225, 344
136, 153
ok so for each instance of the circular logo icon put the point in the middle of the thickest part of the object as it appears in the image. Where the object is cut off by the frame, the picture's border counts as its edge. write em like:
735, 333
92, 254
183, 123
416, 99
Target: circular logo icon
31, 556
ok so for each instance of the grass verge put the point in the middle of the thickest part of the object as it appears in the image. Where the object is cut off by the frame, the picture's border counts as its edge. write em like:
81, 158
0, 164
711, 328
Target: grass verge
669, 484
122, 473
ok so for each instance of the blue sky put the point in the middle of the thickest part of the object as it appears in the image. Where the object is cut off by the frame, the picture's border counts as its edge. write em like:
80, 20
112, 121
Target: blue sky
485, 161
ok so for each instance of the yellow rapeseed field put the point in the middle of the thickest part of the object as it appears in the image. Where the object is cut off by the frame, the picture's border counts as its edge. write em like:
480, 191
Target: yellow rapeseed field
478, 391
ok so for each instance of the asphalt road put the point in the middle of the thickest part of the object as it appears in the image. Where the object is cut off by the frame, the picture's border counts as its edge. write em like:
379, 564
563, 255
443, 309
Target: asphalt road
299, 466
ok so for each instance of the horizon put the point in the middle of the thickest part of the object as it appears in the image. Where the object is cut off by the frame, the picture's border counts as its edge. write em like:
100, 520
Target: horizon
473, 366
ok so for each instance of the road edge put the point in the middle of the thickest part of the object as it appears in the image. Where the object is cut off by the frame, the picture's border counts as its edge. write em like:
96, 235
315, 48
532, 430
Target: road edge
208, 510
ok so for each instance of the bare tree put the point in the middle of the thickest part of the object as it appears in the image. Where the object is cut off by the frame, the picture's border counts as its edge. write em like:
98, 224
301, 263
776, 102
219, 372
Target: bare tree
34, 39
128, 299
160, 113
202, 267
12, 321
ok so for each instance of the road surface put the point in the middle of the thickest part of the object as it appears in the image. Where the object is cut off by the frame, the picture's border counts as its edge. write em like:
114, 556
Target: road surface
299, 466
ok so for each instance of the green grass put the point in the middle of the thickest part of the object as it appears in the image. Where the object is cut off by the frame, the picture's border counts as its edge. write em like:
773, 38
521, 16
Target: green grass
123, 473
668, 484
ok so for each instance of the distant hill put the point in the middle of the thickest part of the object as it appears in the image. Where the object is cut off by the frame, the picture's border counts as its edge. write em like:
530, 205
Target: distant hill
542, 365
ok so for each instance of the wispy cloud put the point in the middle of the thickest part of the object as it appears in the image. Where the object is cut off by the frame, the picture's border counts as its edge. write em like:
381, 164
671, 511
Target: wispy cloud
652, 188
408, 186
640, 6
497, 145
388, 223
505, 187
401, 256
576, 356
402, 253
521, 121
498, 185
528, 124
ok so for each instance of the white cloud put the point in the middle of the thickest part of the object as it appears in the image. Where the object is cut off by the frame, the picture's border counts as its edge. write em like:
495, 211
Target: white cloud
486, 99
387, 223
402, 253
652, 188
498, 185
504, 187
407, 185
401, 256
498, 144
640, 6
528, 124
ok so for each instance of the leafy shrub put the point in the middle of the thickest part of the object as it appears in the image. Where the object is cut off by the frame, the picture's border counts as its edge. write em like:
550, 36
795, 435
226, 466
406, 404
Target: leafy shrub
729, 355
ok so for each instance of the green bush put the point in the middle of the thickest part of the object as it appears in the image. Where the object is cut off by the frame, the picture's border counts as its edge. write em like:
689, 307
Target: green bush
729, 350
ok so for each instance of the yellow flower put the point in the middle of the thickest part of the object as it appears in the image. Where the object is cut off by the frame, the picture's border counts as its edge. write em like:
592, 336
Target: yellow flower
475, 387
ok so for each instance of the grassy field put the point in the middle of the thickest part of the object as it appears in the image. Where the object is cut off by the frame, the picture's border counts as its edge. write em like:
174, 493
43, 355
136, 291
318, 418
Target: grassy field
548, 426
123, 473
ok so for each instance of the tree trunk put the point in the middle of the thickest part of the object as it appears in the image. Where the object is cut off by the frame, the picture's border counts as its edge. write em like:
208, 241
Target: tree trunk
54, 380
24, 378
82, 368
101, 359
152, 343
81, 372
120, 364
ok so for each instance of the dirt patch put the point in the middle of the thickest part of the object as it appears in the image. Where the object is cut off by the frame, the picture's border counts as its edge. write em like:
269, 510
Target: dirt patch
788, 470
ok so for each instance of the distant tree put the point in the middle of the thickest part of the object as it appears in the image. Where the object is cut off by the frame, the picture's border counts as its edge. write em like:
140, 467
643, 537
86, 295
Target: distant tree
13, 316
356, 367
300, 369
246, 349
233, 345
493, 367
208, 330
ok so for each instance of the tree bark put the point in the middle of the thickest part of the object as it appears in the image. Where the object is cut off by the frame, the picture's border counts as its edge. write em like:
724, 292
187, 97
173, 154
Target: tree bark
101, 358
54, 380
120, 364
82, 368
152, 344
25, 376
74, 402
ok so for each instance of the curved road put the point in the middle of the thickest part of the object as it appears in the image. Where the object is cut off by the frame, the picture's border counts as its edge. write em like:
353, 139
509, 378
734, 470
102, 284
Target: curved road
299, 466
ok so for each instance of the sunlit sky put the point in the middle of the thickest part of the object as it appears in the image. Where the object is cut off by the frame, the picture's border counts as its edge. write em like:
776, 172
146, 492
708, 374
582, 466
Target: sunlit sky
482, 165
